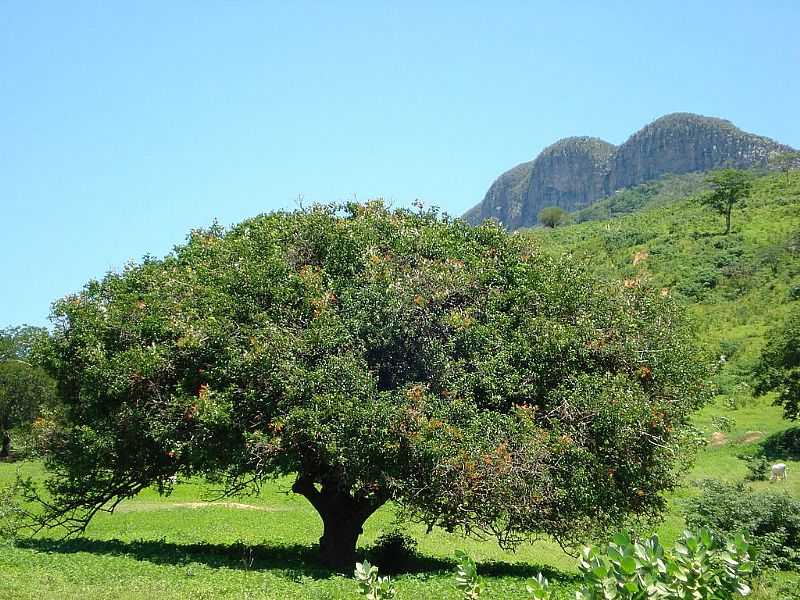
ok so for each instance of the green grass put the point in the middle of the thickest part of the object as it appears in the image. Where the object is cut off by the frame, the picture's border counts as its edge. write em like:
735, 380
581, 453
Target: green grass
172, 547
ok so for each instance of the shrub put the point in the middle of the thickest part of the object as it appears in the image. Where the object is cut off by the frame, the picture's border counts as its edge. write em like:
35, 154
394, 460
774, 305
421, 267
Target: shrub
783, 445
770, 520
11, 512
779, 366
394, 551
757, 468
700, 566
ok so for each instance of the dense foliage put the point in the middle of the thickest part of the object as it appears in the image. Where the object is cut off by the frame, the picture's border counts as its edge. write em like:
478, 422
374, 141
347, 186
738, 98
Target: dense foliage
771, 520
738, 286
699, 567
377, 355
666, 189
24, 388
779, 367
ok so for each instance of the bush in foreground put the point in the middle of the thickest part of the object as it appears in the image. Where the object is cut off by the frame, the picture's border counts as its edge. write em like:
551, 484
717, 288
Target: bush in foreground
699, 567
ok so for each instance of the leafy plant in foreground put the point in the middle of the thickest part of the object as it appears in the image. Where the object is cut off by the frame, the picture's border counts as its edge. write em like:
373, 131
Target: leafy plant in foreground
468, 582
371, 585
539, 588
699, 567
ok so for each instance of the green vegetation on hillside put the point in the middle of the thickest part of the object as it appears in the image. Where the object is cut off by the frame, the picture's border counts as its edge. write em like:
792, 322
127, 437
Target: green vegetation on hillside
737, 286
667, 189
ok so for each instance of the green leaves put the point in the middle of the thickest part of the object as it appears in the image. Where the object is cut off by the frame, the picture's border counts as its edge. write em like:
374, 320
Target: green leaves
699, 566
377, 354
770, 520
728, 186
779, 365
371, 586
468, 582
539, 588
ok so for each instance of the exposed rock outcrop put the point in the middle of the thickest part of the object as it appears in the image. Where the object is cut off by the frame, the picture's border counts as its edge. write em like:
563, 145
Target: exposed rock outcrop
576, 172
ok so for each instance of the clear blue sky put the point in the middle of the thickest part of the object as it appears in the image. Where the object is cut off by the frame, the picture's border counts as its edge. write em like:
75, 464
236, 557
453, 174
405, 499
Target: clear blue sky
125, 124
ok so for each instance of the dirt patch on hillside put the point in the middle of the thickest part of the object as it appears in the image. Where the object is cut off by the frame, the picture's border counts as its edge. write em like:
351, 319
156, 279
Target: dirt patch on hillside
718, 439
151, 506
750, 436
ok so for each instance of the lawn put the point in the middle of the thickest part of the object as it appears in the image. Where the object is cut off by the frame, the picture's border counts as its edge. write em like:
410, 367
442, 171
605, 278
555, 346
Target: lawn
261, 547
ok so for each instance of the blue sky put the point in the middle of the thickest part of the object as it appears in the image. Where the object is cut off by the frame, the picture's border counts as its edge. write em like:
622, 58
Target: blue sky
124, 125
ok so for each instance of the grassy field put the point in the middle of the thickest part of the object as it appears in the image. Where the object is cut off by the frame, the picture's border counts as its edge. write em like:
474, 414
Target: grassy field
262, 547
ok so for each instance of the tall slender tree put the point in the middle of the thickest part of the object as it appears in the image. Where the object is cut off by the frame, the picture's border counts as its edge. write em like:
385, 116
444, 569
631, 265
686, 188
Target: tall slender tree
728, 187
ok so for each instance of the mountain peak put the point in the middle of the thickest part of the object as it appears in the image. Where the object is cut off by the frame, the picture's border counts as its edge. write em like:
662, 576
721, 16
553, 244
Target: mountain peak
575, 172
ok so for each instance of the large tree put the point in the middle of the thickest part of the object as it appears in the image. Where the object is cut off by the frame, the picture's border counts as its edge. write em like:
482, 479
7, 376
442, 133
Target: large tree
374, 355
24, 387
728, 187
778, 369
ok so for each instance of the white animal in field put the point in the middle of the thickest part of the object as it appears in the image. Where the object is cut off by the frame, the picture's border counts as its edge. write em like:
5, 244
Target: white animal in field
778, 472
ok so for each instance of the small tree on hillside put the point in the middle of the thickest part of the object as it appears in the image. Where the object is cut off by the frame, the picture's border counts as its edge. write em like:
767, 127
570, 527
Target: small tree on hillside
779, 367
728, 186
552, 216
24, 388
786, 161
375, 356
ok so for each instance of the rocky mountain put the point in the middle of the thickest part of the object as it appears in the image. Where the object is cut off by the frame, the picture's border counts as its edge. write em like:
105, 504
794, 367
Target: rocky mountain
575, 172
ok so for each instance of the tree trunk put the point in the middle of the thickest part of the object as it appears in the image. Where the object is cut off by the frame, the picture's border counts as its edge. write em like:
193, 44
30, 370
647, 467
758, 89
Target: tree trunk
728, 219
343, 518
5, 445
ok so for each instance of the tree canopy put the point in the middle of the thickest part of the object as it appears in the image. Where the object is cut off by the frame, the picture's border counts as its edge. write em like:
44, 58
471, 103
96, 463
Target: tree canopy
779, 366
552, 216
728, 186
24, 387
374, 355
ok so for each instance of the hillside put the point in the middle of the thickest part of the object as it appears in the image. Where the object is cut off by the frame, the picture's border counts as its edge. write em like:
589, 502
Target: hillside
737, 285
576, 172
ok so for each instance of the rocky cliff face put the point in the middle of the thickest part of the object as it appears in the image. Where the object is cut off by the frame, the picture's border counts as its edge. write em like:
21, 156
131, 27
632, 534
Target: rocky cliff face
575, 172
